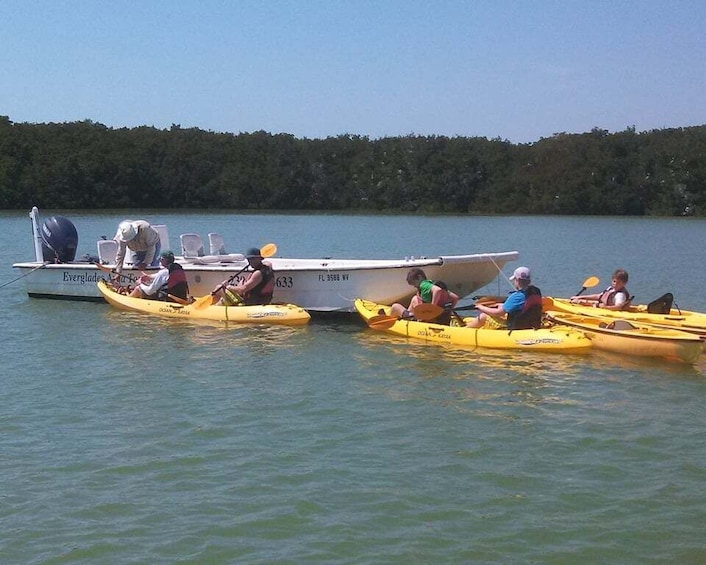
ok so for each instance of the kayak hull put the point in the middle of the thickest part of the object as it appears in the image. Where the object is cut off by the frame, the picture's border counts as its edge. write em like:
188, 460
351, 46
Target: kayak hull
281, 314
684, 320
631, 338
554, 339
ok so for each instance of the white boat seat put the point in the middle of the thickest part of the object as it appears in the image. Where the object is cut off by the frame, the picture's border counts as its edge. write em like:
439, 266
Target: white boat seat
163, 236
216, 244
107, 250
191, 245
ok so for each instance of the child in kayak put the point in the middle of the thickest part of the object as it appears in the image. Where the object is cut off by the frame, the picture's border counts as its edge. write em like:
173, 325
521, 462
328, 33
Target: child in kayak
615, 297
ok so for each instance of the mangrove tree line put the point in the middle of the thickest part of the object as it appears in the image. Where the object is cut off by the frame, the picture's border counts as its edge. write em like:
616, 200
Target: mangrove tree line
86, 165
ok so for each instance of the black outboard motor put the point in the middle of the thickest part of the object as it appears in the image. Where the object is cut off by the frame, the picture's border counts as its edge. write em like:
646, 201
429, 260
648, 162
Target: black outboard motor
59, 240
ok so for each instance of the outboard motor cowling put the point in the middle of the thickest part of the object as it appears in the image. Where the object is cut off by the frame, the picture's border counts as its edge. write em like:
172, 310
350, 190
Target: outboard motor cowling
59, 240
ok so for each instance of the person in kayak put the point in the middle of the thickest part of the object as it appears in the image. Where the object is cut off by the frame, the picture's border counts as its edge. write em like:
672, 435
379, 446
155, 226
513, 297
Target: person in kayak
615, 297
255, 289
138, 236
428, 292
170, 279
522, 308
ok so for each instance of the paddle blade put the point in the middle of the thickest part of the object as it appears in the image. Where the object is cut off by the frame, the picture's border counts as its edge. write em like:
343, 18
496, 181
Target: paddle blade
427, 312
268, 250
382, 322
588, 283
203, 302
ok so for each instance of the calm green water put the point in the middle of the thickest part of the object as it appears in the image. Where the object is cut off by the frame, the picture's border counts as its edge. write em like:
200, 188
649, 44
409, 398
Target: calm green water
127, 439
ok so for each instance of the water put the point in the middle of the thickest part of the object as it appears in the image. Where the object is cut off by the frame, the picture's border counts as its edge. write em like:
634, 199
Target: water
128, 439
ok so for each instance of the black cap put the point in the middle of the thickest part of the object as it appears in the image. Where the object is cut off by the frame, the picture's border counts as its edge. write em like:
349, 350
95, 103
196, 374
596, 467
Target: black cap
253, 253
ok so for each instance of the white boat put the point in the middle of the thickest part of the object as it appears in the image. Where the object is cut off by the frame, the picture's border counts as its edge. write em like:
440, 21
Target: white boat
318, 285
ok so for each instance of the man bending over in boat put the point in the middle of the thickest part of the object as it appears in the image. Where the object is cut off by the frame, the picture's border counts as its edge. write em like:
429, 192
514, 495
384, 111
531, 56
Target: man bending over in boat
521, 310
169, 280
428, 292
255, 289
615, 297
138, 236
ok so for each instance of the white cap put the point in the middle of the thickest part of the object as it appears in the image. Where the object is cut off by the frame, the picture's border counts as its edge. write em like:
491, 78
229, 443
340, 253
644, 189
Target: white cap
126, 231
521, 273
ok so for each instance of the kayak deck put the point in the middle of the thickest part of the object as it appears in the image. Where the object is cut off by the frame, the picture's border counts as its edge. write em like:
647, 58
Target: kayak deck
552, 339
282, 314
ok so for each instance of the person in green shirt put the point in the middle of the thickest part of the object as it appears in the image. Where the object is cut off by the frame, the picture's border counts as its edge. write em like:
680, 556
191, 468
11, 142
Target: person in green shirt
428, 292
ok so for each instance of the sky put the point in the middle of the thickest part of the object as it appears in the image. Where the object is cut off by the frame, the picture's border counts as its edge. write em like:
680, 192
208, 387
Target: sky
516, 70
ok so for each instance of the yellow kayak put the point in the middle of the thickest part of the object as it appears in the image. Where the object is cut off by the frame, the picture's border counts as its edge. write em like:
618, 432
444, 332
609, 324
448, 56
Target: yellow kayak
554, 339
688, 321
283, 314
628, 337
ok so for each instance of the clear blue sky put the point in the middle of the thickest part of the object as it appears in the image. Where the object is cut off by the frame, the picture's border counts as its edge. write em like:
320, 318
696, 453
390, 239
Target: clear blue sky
517, 70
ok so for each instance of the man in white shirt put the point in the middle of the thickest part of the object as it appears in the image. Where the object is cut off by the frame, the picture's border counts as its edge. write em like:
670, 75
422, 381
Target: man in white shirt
149, 285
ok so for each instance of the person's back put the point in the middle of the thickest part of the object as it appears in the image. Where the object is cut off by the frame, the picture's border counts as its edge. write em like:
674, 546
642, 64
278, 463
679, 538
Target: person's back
176, 283
530, 315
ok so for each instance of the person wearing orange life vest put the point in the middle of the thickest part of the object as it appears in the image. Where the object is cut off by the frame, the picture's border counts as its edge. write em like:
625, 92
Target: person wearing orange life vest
428, 292
255, 289
615, 297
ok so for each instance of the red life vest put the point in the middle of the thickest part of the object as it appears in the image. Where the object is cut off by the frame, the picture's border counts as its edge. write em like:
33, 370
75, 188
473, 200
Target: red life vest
176, 284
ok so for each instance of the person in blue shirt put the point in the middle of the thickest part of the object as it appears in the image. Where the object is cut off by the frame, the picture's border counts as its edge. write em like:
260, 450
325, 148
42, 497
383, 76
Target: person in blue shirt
497, 316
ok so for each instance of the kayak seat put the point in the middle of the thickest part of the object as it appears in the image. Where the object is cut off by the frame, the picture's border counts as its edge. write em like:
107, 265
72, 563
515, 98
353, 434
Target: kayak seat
661, 305
621, 325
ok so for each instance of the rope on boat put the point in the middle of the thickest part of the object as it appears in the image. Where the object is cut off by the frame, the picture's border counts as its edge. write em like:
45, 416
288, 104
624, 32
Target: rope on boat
22, 276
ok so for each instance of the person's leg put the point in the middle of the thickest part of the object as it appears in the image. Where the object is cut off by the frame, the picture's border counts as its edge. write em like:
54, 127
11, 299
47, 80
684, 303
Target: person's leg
477, 322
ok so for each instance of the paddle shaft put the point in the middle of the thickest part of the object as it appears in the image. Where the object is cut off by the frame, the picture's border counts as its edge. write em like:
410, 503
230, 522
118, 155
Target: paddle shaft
108, 270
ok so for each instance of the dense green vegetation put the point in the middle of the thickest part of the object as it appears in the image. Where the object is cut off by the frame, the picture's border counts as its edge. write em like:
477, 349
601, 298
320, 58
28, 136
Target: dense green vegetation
86, 165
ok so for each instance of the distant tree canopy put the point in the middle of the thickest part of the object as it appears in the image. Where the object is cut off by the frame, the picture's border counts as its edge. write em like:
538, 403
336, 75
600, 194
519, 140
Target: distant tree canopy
86, 165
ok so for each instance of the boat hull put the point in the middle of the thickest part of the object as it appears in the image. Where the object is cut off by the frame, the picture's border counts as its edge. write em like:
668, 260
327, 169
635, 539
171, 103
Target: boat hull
318, 285
639, 340
280, 314
555, 339
321, 285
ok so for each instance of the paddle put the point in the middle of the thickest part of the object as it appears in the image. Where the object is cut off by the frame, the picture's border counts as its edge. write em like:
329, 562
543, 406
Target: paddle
484, 300
267, 250
426, 312
588, 283
489, 299
382, 322
110, 271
